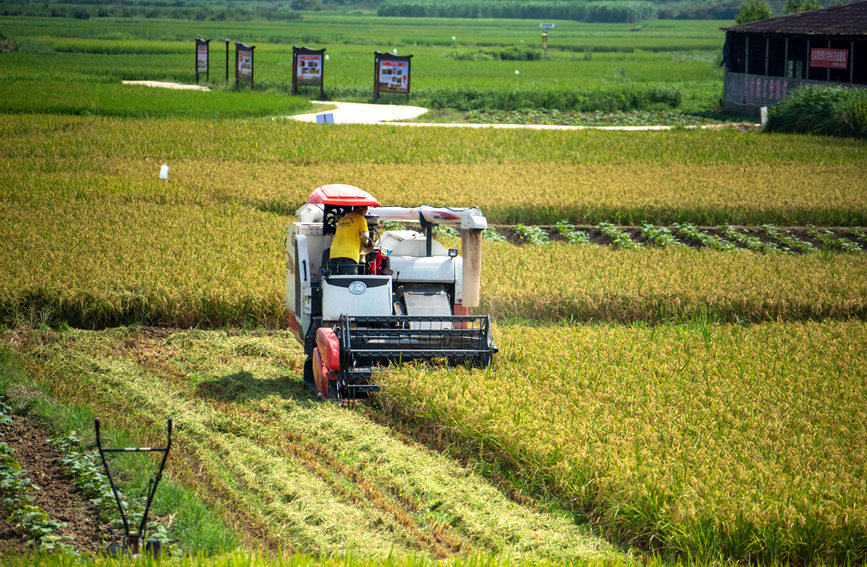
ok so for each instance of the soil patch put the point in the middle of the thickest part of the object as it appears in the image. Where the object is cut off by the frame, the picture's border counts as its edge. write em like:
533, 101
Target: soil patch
57, 495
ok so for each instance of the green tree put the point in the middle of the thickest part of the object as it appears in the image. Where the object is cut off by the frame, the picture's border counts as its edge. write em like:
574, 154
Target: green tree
752, 10
797, 6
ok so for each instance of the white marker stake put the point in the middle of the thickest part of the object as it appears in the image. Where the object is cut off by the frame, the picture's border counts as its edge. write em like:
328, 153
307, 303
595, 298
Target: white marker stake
164, 172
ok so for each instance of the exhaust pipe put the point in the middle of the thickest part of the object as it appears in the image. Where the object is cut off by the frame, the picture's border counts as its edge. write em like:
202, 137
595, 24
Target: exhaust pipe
471, 242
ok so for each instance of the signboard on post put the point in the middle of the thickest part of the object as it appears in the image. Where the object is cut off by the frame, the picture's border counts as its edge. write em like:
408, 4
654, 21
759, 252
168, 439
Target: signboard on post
829, 58
308, 68
203, 59
244, 63
391, 73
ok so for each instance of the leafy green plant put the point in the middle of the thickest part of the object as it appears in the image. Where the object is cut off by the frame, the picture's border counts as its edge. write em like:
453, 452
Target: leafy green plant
493, 235
619, 239
531, 234
447, 231
25, 516
750, 242
572, 235
789, 242
692, 234
660, 236
827, 238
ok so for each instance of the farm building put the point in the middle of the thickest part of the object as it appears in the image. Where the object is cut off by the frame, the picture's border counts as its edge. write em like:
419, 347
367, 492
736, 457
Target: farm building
768, 59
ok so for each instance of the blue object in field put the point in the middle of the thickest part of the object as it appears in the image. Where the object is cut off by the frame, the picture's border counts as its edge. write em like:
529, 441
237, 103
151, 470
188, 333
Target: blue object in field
325, 118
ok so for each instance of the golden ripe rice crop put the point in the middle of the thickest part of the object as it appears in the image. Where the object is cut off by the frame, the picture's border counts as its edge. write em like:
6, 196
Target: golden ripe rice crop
89, 235
562, 281
704, 177
709, 440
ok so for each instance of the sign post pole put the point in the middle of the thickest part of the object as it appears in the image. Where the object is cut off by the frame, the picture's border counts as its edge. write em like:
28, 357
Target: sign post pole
227, 60
376, 55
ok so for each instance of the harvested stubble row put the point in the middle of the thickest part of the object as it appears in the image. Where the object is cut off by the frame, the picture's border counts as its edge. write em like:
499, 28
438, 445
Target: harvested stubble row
287, 472
706, 440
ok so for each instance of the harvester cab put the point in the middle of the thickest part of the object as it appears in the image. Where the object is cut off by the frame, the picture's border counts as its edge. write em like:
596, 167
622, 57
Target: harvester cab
409, 301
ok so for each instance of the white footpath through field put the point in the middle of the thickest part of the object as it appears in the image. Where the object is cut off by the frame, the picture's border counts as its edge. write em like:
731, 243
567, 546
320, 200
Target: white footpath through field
393, 114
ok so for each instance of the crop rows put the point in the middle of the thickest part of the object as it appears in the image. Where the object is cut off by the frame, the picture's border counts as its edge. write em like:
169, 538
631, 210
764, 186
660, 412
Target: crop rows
739, 442
17, 489
626, 178
685, 235
288, 473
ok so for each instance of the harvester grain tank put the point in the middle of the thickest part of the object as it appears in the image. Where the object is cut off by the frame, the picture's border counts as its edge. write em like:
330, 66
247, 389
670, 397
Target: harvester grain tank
410, 300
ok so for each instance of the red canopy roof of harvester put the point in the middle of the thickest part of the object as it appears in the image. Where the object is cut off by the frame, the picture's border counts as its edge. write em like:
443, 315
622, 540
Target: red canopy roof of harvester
342, 195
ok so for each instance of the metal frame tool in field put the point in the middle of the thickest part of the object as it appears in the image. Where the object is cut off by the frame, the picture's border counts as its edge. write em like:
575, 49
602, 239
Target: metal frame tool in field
132, 541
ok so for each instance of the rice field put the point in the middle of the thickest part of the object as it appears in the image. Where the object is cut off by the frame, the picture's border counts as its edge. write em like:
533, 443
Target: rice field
701, 405
680, 58
709, 441
286, 473
92, 237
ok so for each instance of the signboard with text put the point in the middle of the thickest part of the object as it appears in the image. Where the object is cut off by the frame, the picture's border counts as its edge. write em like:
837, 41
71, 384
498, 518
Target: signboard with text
829, 58
308, 68
392, 73
203, 65
244, 63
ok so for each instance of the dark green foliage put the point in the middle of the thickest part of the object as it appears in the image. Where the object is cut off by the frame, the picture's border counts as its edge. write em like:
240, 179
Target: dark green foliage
607, 100
602, 11
754, 10
819, 109
514, 53
711, 10
177, 10
797, 6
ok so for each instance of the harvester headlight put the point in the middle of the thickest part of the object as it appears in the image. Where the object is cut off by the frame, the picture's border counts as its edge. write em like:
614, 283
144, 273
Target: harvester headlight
453, 252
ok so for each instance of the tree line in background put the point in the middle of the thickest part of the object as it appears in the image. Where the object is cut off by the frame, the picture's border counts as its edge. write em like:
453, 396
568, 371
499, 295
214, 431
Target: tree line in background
754, 10
577, 10
178, 10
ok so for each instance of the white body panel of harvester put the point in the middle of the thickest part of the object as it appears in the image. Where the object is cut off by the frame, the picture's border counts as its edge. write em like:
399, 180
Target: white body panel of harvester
406, 250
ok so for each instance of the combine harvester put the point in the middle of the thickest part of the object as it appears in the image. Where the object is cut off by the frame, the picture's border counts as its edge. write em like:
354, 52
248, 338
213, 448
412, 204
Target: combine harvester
410, 300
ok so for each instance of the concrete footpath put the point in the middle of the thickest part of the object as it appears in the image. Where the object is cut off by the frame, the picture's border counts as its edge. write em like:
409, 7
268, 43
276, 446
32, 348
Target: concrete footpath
360, 113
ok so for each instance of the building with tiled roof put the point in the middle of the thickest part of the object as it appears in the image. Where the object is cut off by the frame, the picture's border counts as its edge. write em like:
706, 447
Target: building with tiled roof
768, 59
